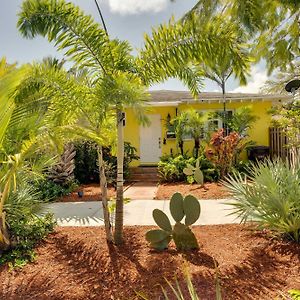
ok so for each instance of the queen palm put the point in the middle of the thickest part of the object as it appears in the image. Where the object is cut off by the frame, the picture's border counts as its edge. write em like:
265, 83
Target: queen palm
111, 66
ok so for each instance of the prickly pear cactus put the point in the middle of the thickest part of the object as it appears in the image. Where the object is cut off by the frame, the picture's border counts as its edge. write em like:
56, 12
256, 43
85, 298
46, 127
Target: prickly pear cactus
187, 208
195, 172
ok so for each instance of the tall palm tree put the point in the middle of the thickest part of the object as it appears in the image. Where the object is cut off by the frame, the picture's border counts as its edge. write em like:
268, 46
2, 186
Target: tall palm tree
111, 66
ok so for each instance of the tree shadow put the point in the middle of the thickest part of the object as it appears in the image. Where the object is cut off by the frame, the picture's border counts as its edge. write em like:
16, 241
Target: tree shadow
254, 277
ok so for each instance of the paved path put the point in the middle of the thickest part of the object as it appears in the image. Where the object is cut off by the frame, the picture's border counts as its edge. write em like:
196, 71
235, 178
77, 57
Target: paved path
141, 191
137, 212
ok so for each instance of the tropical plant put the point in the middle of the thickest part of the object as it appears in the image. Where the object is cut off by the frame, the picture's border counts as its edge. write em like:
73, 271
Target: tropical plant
120, 77
180, 127
195, 127
62, 173
272, 25
241, 120
269, 197
171, 168
195, 172
188, 208
223, 151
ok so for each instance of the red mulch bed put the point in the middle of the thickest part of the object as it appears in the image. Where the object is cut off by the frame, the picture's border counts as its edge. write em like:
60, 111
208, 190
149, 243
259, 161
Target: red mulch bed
211, 190
76, 263
91, 192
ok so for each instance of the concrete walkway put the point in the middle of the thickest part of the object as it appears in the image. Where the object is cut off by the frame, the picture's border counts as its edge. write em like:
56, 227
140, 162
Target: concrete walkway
137, 212
141, 191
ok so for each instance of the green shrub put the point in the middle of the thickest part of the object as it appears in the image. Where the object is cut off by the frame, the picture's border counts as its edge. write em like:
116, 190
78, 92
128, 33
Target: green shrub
270, 197
25, 234
50, 190
171, 168
25, 227
86, 164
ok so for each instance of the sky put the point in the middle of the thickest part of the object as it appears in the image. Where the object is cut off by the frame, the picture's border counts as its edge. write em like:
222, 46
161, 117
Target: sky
126, 20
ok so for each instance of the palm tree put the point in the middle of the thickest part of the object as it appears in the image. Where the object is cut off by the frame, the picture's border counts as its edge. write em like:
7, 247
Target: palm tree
195, 126
273, 26
112, 67
180, 127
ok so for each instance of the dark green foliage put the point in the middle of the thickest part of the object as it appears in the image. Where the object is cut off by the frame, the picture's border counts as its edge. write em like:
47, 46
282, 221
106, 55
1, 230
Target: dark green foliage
50, 190
86, 165
171, 168
86, 169
182, 235
26, 233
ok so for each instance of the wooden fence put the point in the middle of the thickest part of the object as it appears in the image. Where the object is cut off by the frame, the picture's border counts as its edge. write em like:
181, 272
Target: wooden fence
278, 143
279, 146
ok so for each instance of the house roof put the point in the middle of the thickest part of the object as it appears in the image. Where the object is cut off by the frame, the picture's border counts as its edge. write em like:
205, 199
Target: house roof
167, 97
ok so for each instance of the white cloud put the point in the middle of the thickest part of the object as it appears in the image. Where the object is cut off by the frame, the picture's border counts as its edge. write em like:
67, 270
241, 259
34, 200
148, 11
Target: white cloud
130, 7
255, 82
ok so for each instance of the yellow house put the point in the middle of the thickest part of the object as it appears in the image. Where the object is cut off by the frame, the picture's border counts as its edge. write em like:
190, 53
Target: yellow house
153, 141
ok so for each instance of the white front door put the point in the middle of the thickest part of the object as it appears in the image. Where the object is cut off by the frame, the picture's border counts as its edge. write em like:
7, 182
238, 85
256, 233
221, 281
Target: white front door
150, 140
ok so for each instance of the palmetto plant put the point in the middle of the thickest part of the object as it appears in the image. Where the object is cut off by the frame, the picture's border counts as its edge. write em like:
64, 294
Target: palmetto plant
121, 77
270, 197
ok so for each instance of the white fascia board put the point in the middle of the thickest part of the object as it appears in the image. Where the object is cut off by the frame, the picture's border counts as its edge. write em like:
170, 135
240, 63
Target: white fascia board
165, 103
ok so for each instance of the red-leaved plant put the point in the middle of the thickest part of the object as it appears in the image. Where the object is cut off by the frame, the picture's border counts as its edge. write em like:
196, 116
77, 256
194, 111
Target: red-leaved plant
223, 150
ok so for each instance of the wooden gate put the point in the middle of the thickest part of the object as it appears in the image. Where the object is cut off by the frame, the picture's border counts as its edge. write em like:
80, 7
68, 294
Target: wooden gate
278, 143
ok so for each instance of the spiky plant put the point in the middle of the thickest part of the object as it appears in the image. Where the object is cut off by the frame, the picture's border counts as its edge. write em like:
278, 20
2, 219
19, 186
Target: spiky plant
63, 172
269, 197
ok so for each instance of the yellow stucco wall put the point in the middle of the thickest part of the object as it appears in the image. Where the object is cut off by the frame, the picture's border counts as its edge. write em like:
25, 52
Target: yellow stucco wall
258, 133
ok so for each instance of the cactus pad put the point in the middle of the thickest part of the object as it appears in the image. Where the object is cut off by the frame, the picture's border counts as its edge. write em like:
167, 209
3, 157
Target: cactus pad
162, 220
192, 209
156, 235
176, 207
198, 176
184, 238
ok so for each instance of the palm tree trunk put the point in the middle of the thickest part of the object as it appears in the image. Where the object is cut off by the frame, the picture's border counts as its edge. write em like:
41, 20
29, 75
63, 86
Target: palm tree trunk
103, 187
180, 144
197, 146
4, 235
224, 110
118, 234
